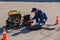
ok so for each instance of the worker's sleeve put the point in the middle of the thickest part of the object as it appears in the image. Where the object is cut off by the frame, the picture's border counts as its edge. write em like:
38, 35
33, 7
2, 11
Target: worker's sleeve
34, 17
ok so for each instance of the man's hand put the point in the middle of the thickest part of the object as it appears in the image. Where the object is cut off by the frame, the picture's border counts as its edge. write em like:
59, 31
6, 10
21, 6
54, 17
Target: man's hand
31, 21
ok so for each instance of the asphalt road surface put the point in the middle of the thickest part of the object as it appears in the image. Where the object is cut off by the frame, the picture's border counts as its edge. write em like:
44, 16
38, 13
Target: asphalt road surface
50, 32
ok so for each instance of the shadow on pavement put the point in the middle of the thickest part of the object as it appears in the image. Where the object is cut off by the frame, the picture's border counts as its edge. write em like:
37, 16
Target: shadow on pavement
48, 28
0, 31
51, 24
23, 31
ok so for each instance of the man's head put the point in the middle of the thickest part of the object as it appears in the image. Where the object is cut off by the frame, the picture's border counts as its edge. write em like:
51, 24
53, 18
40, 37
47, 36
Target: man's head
35, 10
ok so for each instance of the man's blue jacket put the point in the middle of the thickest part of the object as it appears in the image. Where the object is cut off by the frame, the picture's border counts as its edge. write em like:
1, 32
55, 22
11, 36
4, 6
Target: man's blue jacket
40, 17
